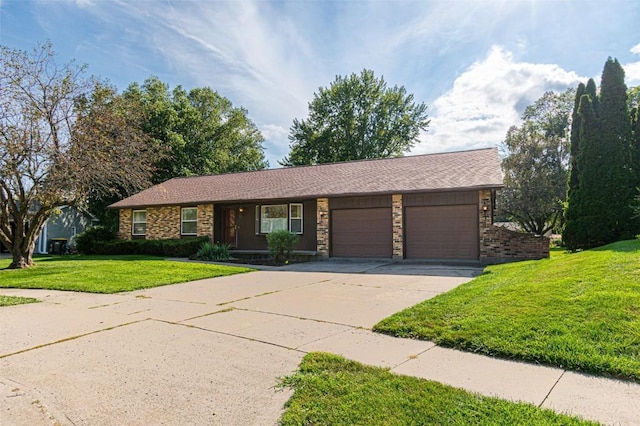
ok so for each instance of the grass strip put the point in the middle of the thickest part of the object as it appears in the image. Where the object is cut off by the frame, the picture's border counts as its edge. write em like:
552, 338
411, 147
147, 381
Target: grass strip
15, 300
108, 274
330, 390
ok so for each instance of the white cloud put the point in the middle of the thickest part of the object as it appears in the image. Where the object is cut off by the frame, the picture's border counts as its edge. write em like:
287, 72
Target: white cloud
276, 142
487, 99
632, 69
632, 74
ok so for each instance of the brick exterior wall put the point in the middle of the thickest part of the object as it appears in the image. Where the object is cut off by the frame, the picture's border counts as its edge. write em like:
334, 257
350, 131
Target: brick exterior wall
502, 244
322, 230
125, 224
163, 223
498, 244
205, 220
398, 231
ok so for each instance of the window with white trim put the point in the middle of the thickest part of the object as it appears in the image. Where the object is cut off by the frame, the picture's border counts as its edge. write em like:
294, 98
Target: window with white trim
273, 218
189, 221
279, 217
295, 218
139, 222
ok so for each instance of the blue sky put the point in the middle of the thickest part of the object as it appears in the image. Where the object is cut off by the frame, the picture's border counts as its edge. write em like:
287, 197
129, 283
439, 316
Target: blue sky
477, 64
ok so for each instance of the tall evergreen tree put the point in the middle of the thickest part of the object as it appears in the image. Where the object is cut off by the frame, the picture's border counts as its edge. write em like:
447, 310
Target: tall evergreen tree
575, 139
592, 91
579, 216
635, 153
633, 96
635, 148
617, 175
598, 210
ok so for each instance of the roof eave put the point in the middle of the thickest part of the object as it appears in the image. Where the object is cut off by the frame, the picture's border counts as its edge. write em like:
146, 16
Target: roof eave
116, 206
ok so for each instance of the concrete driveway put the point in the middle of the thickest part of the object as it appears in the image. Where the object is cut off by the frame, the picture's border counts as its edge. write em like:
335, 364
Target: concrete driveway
205, 352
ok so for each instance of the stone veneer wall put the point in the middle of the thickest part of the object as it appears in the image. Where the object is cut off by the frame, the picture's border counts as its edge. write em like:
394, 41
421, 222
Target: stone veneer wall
125, 224
498, 244
163, 222
398, 231
322, 230
205, 220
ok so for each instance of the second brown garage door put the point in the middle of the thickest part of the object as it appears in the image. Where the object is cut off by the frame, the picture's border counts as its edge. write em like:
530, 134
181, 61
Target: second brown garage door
441, 232
361, 232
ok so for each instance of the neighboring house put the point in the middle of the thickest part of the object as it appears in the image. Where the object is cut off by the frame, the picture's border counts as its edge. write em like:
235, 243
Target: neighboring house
436, 206
63, 226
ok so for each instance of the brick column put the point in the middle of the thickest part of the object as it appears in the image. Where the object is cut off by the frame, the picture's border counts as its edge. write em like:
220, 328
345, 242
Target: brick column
485, 212
124, 224
398, 230
205, 221
322, 227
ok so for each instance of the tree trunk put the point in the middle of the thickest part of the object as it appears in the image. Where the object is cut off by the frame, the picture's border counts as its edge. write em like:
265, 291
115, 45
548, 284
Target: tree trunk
22, 254
24, 238
21, 260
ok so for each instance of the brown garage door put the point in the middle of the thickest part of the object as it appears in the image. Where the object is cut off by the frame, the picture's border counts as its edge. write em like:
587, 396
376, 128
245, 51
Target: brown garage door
361, 232
441, 232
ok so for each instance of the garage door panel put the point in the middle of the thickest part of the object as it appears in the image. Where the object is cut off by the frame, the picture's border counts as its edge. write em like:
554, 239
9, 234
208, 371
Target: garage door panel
361, 232
442, 232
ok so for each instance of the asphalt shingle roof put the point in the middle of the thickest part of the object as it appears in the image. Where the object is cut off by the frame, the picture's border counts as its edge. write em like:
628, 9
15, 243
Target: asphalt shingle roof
476, 169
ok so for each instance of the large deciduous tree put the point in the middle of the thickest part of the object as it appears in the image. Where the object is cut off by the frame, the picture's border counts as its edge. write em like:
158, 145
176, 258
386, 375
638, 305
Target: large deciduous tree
62, 135
599, 208
356, 117
203, 131
537, 163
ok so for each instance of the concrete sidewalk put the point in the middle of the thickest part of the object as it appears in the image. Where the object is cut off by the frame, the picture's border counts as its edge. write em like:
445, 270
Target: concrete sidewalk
210, 351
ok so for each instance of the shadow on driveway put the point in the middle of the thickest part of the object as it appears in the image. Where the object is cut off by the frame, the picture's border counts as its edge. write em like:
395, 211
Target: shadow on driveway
385, 267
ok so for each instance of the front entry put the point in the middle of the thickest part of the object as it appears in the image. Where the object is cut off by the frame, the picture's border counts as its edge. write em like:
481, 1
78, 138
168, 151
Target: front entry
230, 227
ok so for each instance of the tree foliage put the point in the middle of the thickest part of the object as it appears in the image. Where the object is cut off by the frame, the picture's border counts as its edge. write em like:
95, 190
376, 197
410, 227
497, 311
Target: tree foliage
356, 117
537, 163
633, 96
62, 135
634, 105
599, 208
574, 143
203, 131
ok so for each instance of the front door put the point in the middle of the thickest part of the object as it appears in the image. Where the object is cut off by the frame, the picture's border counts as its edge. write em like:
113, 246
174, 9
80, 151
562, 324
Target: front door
230, 231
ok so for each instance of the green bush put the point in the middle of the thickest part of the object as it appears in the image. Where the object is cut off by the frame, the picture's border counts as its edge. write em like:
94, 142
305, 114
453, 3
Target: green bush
182, 247
281, 244
87, 241
217, 251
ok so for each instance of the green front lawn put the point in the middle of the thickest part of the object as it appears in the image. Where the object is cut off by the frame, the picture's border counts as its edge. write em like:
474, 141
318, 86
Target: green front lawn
579, 311
108, 274
15, 300
330, 390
